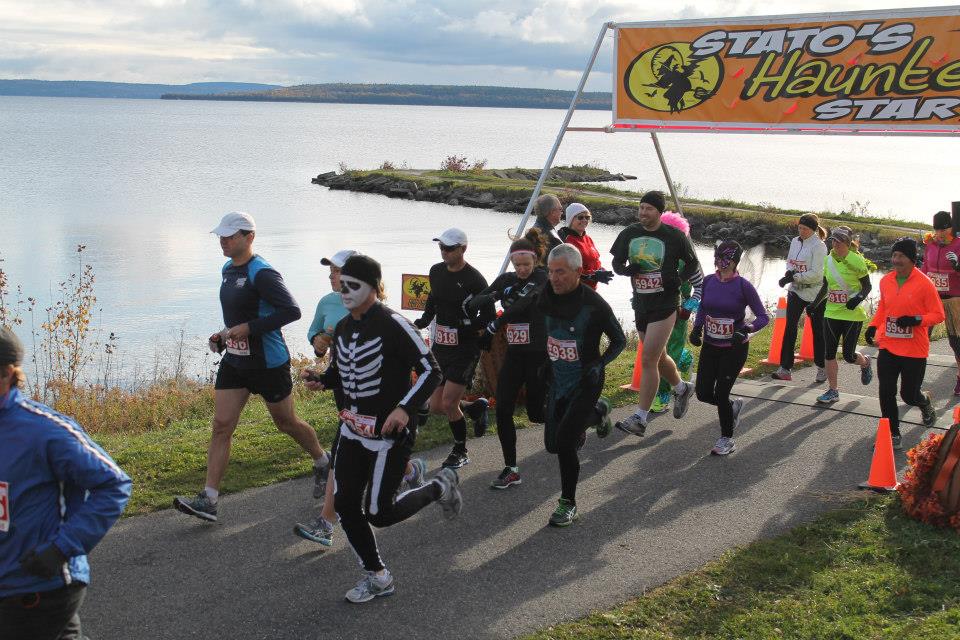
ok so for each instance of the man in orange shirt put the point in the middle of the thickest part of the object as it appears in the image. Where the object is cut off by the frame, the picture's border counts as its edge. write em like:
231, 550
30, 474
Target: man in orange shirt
909, 304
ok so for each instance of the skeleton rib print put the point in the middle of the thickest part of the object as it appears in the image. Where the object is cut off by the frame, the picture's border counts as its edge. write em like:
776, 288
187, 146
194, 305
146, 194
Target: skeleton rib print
360, 366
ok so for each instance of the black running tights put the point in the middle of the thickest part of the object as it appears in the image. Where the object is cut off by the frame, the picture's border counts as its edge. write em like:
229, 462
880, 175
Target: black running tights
717, 371
566, 423
519, 369
910, 371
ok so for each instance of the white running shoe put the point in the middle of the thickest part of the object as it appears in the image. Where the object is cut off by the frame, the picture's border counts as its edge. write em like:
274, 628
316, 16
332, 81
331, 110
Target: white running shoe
821, 375
371, 586
724, 446
681, 400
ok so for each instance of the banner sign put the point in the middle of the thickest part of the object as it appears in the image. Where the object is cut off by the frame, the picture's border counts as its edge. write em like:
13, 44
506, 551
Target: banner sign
414, 291
876, 72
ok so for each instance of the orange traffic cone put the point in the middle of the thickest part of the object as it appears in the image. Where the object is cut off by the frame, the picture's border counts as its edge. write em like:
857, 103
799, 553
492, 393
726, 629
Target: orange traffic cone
637, 371
806, 343
779, 325
883, 470
956, 414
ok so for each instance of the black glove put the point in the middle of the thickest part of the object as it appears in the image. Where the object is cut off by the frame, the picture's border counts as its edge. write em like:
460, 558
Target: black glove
486, 338
952, 258
787, 278
478, 301
870, 334
603, 276
740, 336
45, 564
593, 375
908, 321
421, 323
853, 302
696, 336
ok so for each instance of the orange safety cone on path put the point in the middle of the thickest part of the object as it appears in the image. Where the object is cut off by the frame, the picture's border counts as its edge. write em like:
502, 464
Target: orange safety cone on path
637, 371
779, 326
806, 342
883, 469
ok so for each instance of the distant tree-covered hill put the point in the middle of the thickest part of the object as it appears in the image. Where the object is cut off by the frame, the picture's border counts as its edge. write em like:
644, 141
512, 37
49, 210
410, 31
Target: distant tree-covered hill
93, 89
437, 95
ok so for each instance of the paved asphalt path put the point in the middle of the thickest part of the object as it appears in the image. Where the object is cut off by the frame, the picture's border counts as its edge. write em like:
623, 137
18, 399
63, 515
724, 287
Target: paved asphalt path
651, 509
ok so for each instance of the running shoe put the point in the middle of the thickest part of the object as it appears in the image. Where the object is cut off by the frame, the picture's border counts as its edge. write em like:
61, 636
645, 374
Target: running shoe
456, 459
450, 499
956, 389
782, 374
605, 425
564, 514
897, 444
200, 507
319, 531
418, 478
633, 424
371, 586
821, 375
507, 478
681, 400
828, 397
661, 402
724, 446
477, 410
866, 373
736, 406
320, 473
928, 411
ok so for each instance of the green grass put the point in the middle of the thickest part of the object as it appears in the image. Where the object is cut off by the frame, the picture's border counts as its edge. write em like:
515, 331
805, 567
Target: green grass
863, 571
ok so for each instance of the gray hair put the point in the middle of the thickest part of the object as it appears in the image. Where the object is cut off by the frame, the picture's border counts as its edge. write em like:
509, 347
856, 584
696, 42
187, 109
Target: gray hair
545, 204
566, 252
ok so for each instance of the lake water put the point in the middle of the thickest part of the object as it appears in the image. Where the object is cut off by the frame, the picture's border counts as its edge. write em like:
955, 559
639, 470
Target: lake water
142, 182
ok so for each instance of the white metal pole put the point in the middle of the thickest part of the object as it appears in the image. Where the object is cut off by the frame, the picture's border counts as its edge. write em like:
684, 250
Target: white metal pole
666, 173
556, 144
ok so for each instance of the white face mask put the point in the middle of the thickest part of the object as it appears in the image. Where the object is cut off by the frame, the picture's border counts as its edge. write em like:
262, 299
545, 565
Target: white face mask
354, 292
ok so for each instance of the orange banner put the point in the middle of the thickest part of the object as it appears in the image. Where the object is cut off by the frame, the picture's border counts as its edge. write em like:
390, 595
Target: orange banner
414, 290
867, 72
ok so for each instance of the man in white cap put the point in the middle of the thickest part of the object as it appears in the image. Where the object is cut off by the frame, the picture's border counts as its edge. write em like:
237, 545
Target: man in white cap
456, 345
256, 304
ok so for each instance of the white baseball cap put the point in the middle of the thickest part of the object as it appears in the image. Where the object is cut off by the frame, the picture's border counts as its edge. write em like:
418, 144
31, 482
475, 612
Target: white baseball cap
233, 222
573, 210
452, 237
338, 259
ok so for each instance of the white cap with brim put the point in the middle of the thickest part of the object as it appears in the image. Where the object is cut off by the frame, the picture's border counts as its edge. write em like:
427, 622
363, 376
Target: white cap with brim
233, 222
573, 210
452, 237
338, 259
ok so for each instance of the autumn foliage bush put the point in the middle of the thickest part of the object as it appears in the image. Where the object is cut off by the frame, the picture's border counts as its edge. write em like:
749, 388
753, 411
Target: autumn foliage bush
918, 501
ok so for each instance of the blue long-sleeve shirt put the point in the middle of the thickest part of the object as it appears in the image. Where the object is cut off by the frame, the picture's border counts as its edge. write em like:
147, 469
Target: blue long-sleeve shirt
329, 311
47, 459
723, 309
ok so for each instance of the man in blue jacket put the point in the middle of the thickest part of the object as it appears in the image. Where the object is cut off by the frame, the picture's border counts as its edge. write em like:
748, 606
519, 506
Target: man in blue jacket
59, 494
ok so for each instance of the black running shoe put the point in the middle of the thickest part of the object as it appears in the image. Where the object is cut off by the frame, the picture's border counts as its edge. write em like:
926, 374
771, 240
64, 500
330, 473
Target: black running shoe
477, 411
928, 411
199, 507
507, 478
455, 460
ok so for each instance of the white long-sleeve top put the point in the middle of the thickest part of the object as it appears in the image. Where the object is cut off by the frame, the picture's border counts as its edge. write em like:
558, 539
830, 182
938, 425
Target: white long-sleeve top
806, 258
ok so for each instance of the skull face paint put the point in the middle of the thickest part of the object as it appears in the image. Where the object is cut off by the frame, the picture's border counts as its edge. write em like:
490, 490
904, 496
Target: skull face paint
354, 292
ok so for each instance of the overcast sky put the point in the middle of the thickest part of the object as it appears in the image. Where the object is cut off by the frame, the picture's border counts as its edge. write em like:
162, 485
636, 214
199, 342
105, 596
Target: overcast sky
528, 43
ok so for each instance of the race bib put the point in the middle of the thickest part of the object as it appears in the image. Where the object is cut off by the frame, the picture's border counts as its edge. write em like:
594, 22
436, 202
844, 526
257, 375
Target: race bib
446, 336
800, 266
364, 426
940, 280
719, 328
893, 331
518, 333
4, 507
565, 350
238, 346
838, 296
648, 282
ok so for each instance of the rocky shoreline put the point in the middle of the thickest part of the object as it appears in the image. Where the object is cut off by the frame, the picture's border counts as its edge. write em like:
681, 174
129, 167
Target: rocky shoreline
706, 223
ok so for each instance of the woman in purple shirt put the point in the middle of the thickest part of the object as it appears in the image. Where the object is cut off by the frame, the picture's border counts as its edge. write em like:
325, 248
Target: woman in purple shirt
723, 336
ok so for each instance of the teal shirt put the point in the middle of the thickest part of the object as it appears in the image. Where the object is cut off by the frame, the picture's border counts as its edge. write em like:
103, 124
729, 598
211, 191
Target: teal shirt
329, 311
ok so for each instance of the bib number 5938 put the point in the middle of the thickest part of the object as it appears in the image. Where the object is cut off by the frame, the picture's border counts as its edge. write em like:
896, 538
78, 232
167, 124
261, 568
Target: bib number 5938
565, 350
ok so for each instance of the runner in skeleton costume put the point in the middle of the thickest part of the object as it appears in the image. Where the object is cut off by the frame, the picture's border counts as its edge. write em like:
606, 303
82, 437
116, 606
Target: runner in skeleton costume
942, 265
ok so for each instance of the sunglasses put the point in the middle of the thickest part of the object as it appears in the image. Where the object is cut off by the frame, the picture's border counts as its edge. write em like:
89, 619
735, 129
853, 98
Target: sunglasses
448, 248
584, 217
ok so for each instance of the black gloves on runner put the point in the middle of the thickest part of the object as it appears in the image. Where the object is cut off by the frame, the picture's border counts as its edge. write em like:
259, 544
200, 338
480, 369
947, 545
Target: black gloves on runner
854, 301
740, 336
908, 321
870, 334
593, 374
600, 275
46, 564
477, 301
486, 338
787, 278
696, 336
952, 257
421, 323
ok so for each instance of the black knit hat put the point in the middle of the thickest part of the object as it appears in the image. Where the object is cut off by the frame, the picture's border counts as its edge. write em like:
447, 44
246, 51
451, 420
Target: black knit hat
942, 220
11, 350
656, 199
363, 268
906, 246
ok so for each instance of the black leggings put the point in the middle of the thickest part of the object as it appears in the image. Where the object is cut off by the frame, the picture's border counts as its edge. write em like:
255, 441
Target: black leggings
795, 306
910, 371
49, 615
359, 470
837, 330
717, 371
567, 420
520, 368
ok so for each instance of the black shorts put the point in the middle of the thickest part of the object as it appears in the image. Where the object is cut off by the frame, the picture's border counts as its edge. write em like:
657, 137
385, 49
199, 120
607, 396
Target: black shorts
273, 384
458, 364
643, 319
